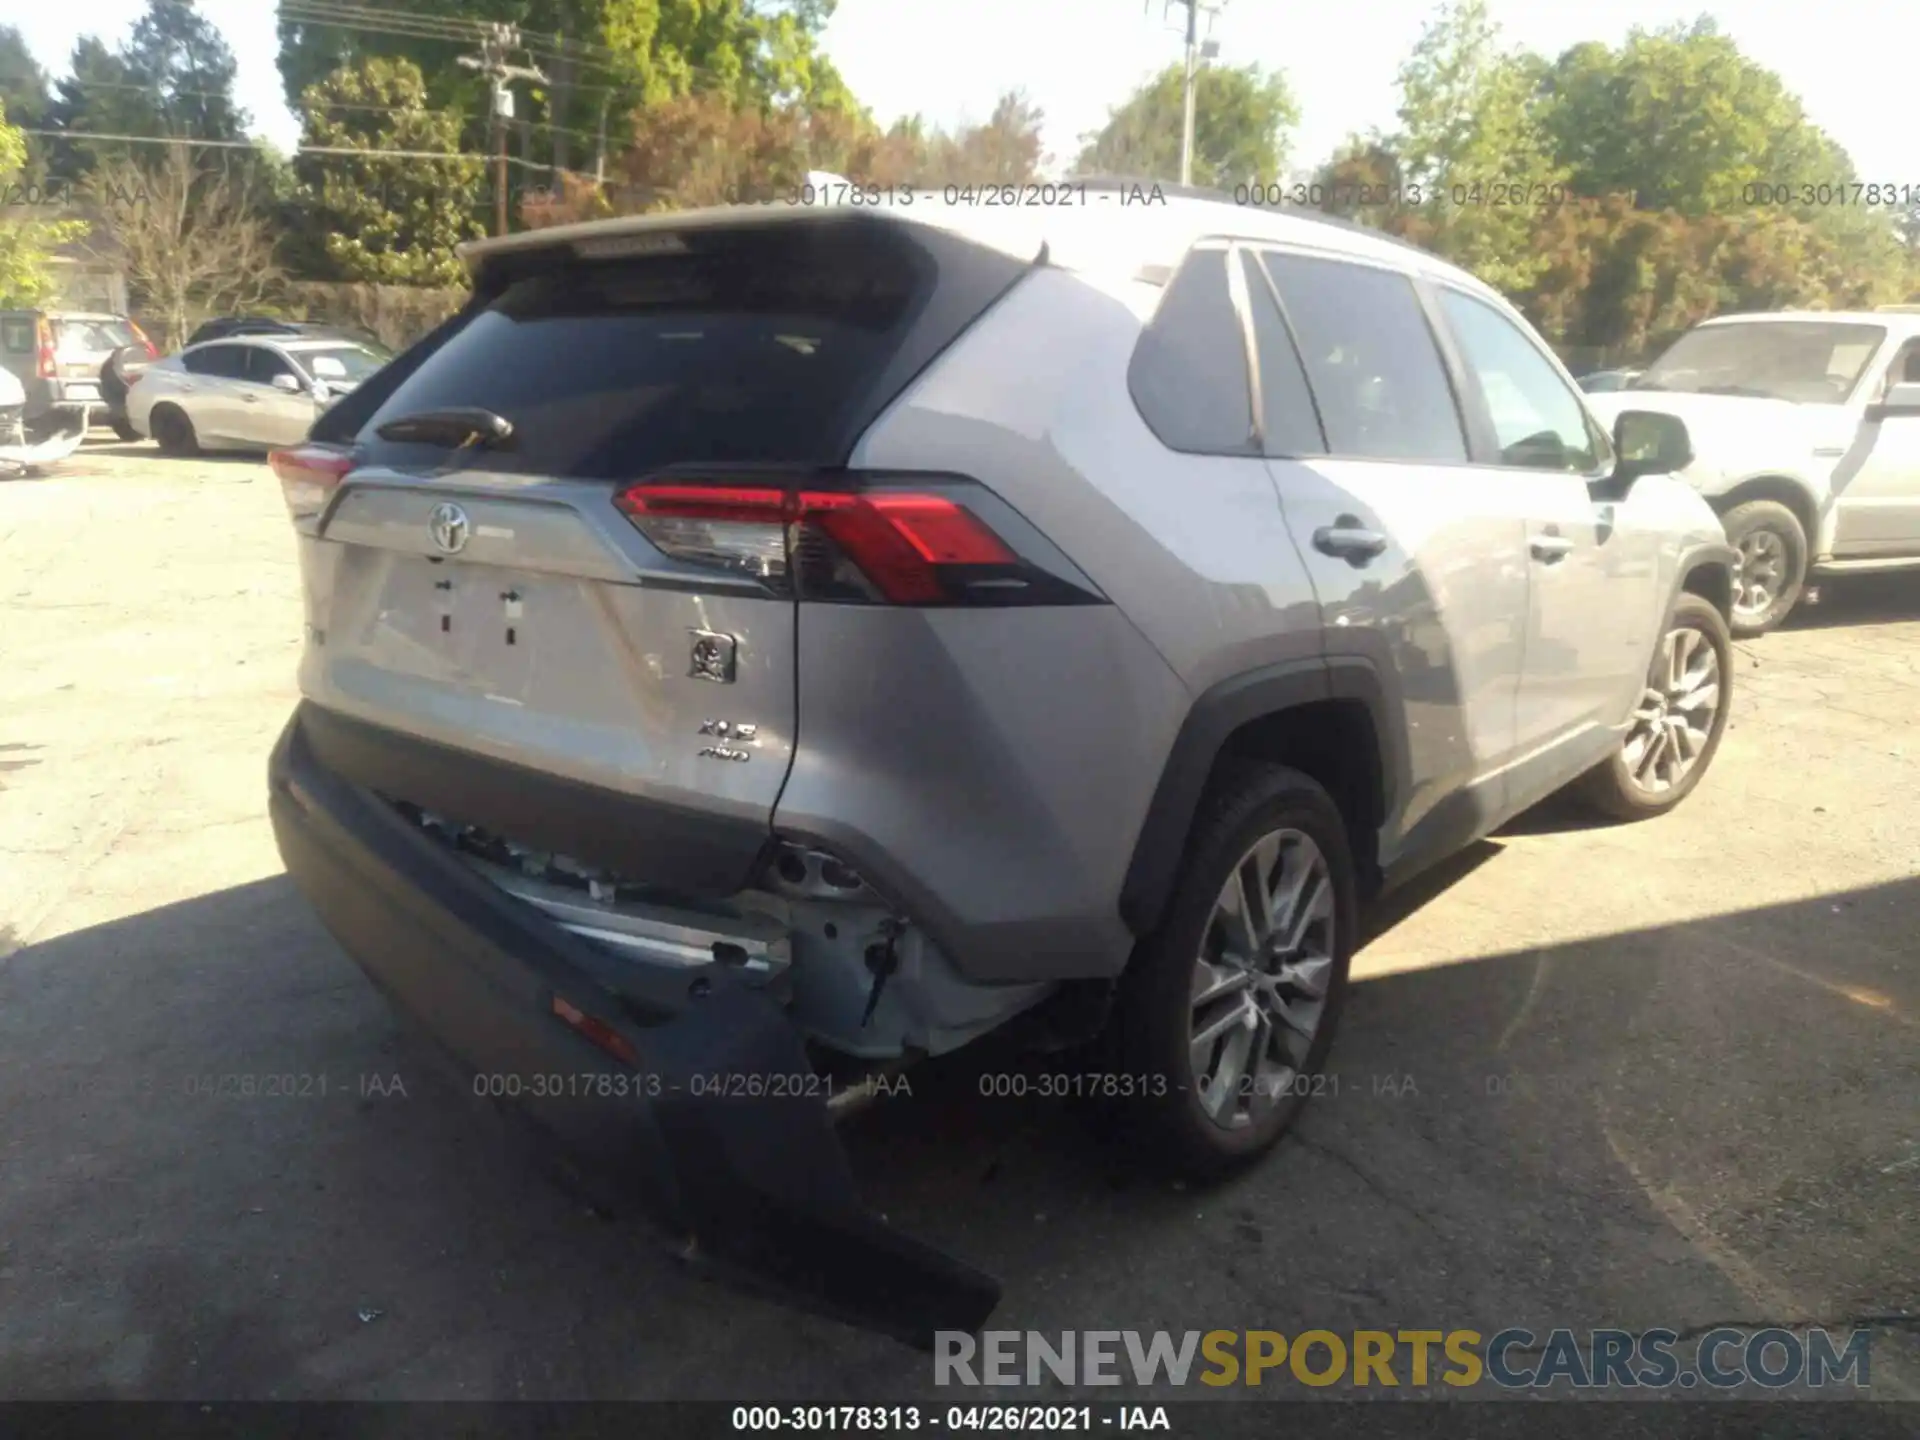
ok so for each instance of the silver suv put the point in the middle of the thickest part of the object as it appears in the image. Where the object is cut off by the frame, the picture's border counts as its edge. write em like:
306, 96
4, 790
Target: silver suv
749, 651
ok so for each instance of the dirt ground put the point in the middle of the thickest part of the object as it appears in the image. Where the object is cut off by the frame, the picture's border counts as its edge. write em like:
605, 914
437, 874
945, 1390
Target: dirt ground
1658, 1075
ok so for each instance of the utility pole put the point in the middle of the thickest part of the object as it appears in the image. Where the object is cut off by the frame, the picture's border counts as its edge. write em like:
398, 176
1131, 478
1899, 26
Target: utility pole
600, 155
495, 45
1197, 50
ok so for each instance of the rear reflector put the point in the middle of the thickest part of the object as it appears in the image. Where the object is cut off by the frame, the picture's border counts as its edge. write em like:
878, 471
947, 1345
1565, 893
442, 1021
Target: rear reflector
596, 1030
308, 475
900, 542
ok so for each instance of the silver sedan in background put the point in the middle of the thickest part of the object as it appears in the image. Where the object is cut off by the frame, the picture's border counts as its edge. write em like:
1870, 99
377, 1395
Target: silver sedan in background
247, 392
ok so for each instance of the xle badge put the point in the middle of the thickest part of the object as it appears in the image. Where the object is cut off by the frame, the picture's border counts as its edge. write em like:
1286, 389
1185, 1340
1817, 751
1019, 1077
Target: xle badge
727, 730
712, 656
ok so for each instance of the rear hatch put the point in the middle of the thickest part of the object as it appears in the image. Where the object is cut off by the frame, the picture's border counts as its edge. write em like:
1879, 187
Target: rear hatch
82, 344
502, 594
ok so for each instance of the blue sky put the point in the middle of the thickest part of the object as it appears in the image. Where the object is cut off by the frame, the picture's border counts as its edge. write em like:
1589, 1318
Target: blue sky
1851, 61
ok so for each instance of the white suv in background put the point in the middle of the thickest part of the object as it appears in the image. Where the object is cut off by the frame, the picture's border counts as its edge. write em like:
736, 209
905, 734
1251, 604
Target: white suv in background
1806, 439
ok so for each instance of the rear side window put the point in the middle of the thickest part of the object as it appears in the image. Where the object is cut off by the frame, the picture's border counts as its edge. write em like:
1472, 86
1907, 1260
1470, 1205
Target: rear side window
1189, 370
17, 336
756, 350
1376, 370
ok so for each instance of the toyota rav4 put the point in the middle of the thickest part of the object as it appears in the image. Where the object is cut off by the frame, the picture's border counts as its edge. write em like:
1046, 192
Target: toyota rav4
768, 643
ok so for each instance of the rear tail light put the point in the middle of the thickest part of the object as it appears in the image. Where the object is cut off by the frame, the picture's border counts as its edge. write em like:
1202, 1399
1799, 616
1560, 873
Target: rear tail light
141, 336
43, 339
901, 547
596, 1030
308, 475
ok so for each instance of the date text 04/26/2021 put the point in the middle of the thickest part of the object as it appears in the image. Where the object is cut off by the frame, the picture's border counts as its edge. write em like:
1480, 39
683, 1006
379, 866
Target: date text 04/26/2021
1027, 195
903, 1419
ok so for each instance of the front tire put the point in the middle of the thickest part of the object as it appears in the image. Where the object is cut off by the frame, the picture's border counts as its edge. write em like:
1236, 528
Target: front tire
1677, 724
1225, 1016
173, 431
1773, 564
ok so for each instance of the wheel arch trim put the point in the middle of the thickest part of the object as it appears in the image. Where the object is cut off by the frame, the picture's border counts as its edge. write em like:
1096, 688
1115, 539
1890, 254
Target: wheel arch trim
1212, 720
1705, 555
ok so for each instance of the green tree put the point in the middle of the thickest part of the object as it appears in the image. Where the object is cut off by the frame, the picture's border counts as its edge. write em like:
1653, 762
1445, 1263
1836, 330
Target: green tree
367, 218
27, 95
172, 77
1471, 141
623, 55
26, 244
1680, 119
1244, 118
1005, 149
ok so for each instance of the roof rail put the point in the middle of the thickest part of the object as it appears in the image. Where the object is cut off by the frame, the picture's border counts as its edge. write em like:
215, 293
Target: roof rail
1199, 192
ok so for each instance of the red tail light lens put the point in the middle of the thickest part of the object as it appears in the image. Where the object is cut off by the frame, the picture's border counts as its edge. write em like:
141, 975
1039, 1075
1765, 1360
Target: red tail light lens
141, 336
43, 338
596, 1030
898, 542
308, 475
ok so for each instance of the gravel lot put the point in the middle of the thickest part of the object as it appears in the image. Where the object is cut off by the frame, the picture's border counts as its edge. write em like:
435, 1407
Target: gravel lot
1663, 1075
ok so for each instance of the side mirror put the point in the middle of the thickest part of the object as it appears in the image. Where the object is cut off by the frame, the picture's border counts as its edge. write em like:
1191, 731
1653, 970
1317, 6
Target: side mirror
1902, 400
287, 383
1647, 442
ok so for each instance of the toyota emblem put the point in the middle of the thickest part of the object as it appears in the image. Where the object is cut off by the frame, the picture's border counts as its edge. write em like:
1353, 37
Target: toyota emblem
450, 528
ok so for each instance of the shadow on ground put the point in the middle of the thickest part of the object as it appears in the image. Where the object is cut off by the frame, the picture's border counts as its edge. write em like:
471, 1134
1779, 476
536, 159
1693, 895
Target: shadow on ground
1670, 1126
1888, 598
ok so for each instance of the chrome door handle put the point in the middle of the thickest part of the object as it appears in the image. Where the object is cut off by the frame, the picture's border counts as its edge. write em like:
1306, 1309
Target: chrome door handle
251, 399
1346, 539
1550, 548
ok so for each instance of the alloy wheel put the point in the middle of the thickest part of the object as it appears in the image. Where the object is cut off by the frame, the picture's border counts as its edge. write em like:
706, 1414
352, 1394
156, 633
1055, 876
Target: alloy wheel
1762, 574
1260, 980
1674, 719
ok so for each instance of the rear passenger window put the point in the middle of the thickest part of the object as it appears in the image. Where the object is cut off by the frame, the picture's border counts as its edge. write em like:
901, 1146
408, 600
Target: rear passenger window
1375, 367
1287, 419
1189, 371
17, 336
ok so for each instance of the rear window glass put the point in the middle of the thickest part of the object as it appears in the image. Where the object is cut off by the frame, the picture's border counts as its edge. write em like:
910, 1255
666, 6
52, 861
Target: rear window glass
755, 351
91, 337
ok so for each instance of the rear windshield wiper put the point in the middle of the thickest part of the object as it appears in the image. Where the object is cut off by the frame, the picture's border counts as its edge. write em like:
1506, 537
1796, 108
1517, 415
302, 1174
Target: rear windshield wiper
461, 428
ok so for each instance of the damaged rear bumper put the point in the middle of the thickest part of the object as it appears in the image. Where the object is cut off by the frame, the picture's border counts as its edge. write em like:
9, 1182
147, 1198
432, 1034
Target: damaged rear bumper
760, 1186
65, 440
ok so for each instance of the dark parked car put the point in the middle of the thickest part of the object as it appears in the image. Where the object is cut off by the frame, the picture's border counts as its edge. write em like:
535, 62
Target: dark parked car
228, 326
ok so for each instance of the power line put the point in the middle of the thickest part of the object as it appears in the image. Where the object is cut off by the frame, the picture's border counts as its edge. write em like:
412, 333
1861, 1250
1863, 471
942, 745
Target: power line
448, 155
410, 25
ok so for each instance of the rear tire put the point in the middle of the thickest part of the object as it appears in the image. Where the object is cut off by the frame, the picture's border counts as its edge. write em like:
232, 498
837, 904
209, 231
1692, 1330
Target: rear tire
1645, 776
1262, 828
1773, 564
174, 431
